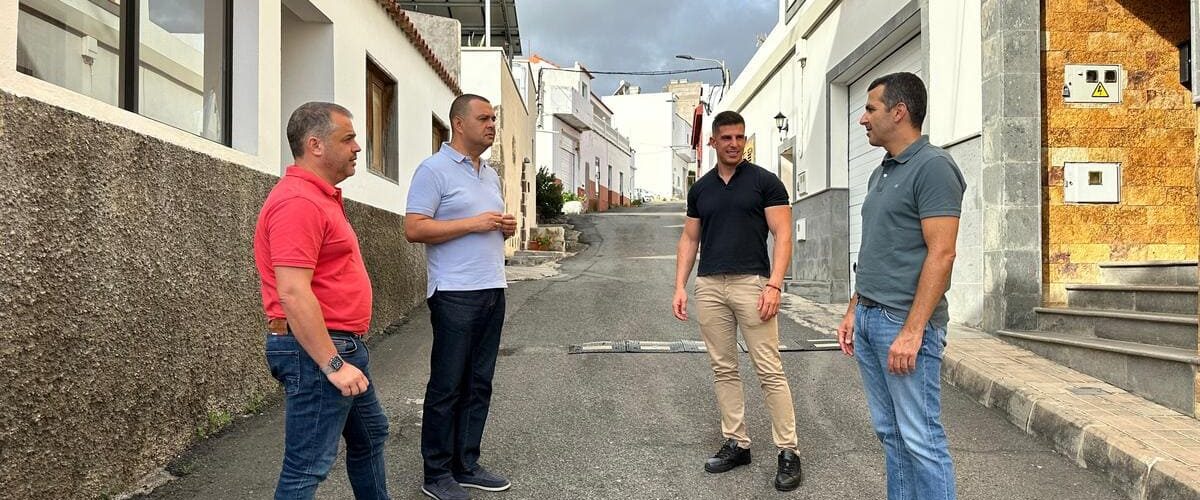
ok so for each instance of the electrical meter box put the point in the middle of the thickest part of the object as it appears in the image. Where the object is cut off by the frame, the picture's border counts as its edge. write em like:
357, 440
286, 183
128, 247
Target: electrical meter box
1092, 83
1092, 182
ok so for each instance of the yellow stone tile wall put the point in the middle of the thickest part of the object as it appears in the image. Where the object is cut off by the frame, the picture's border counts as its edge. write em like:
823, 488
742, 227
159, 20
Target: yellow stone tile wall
1152, 133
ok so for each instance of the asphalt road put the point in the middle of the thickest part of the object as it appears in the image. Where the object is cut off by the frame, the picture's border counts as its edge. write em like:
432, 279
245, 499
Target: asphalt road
636, 426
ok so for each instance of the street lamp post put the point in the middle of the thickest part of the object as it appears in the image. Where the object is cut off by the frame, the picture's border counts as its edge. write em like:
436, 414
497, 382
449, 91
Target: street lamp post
724, 70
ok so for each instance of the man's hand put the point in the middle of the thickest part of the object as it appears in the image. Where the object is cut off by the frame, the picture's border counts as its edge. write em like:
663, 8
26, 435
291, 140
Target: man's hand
846, 333
902, 356
508, 225
487, 221
768, 303
679, 304
349, 379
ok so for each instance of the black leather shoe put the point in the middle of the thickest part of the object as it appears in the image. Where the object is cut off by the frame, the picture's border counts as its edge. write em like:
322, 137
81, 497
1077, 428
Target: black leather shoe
789, 476
731, 455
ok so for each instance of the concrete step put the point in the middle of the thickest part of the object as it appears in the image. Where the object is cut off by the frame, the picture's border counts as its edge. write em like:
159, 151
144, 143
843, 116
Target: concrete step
1164, 375
533, 257
1169, 299
1154, 272
1153, 329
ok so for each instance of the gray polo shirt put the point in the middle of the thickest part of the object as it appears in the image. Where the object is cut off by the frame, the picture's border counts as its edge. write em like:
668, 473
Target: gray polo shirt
447, 187
921, 182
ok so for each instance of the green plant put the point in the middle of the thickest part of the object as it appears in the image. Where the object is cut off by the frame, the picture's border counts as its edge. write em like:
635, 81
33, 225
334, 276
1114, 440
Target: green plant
571, 197
543, 241
214, 422
549, 195
636, 203
256, 403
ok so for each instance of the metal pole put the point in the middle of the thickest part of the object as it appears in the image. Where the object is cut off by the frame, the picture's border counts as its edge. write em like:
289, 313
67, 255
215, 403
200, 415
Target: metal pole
487, 23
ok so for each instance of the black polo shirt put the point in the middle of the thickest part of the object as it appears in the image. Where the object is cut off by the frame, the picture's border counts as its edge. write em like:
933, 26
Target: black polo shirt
733, 219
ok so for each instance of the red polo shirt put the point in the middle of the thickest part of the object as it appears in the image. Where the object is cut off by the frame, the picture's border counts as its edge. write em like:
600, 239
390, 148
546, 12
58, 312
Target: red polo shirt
303, 224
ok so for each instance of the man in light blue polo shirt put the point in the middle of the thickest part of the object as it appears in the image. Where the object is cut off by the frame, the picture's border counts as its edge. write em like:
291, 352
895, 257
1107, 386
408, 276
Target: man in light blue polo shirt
455, 208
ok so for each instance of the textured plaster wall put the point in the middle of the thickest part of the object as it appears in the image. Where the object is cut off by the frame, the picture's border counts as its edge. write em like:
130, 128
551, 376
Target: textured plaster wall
130, 317
442, 35
965, 301
1151, 133
820, 266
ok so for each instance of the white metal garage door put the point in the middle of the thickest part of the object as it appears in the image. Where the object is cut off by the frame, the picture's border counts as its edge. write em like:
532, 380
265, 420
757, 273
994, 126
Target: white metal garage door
863, 157
564, 166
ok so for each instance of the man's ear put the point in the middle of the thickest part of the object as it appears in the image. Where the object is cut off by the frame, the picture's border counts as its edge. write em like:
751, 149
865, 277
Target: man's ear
900, 112
315, 146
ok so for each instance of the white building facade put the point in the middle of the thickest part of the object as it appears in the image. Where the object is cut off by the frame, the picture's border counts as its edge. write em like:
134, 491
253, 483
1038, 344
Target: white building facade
661, 141
607, 160
576, 139
280, 55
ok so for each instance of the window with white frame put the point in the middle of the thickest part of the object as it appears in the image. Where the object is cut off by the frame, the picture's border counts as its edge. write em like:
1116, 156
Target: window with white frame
166, 60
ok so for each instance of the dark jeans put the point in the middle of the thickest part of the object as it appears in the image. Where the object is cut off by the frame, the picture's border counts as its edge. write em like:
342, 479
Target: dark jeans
466, 336
316, 414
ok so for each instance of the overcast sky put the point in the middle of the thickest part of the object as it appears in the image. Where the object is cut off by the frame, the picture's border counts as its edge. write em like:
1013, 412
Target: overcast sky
632, 35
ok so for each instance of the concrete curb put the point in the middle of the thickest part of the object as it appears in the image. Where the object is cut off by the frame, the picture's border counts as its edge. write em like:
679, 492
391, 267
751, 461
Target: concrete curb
1140, 471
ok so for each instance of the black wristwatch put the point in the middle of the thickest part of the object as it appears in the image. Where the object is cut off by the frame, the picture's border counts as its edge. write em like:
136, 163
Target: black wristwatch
334, 364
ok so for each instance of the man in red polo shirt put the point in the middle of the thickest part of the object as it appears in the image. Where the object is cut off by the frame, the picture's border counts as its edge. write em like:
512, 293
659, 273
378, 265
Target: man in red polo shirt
317, 297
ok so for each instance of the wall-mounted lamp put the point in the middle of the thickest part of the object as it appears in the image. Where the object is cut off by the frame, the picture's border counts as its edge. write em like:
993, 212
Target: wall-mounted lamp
781, 122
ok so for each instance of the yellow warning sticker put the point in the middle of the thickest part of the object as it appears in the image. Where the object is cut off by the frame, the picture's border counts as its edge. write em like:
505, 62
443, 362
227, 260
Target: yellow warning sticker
1100, 91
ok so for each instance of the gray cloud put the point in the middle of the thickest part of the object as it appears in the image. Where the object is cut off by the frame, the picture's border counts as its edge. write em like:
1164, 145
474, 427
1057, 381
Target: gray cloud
630, 35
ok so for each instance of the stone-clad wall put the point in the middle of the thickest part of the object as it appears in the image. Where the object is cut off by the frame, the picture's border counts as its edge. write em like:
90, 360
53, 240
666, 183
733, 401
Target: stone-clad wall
130, 317
1152, 134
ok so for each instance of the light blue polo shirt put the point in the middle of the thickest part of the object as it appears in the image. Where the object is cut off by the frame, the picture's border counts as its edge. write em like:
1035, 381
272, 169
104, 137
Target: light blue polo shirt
447, 187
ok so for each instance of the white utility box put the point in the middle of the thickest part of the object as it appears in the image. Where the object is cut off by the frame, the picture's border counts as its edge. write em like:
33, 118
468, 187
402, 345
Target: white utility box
1092, 83
801, 229
1092, 182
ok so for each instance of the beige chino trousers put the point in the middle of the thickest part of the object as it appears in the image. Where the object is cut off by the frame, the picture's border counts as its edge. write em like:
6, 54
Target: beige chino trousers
725, 303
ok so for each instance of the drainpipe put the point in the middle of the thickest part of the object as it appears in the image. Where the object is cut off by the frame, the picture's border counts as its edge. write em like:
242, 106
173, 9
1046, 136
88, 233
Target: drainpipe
1195, 32
487, 22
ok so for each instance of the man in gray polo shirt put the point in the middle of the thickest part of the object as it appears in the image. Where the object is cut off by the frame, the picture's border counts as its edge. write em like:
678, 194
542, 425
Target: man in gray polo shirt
456, 210
896, 323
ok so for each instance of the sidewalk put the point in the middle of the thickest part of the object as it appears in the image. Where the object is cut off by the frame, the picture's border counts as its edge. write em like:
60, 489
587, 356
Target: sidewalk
1147, 450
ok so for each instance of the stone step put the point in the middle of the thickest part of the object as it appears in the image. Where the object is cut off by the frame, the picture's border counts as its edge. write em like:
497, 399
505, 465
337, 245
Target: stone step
1161, 374
533, 257
1154, 272
1153, 329
1169, 299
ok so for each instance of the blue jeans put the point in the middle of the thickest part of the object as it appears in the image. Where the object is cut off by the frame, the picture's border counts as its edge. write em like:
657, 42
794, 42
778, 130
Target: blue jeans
906, 410
316, 414
466, 338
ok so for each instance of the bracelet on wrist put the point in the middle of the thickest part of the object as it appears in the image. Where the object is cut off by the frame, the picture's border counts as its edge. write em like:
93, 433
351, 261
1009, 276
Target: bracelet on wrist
775, 287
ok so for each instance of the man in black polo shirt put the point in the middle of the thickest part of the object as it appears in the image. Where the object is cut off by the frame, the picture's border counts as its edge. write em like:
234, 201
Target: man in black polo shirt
729, 212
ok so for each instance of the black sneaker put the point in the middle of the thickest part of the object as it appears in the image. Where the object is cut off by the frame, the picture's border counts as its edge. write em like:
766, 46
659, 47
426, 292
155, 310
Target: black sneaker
482, 479
789, 475
730, 455
445, 488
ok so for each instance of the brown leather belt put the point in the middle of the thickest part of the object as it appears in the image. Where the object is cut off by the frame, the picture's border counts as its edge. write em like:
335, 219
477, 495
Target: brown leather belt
280, 327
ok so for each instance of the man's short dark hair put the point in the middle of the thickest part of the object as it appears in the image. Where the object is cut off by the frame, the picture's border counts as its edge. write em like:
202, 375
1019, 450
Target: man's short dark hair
462, 104
311, 119
725, 118
904, 88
